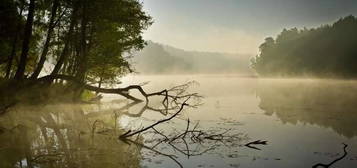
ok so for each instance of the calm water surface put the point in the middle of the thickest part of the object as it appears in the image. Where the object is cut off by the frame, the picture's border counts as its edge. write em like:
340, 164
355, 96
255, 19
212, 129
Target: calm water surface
304, 122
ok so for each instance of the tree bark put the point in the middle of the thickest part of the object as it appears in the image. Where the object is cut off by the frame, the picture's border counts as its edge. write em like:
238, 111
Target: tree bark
48, 40
25, 45
14, 44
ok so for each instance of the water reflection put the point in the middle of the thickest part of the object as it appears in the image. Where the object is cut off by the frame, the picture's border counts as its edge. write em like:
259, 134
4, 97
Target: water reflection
164, 138
330, 104
63, 136
298, 118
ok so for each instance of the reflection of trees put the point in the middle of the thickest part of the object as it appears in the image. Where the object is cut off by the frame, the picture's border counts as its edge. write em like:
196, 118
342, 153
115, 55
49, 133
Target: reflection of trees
62, 136
325, 103
87, 135
173, 143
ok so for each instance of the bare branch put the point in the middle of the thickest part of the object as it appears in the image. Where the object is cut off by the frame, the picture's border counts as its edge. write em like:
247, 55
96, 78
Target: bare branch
334, 161
172, 157
128, 134
179, 92
258, 142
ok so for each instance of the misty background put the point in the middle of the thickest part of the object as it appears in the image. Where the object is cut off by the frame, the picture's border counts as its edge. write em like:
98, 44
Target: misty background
208, 36
164, 59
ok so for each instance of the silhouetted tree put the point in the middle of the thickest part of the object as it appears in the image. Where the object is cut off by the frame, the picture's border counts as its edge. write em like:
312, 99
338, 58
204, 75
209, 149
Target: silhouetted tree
26, 41
86, 39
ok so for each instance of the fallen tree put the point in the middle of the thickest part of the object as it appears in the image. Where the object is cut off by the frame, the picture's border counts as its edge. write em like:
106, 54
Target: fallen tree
175, 94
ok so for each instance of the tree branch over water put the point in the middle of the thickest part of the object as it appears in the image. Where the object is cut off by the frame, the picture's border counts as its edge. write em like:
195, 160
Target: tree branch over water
178, 92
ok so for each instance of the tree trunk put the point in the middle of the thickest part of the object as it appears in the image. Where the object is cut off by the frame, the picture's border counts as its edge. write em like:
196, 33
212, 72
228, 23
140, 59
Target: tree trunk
48, 40
82, 60
65, 50
25, 45
14, 44
82, 67
99, 84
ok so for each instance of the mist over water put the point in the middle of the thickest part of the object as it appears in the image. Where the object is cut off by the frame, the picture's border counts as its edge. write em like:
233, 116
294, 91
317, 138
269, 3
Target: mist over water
304, 120
203, 83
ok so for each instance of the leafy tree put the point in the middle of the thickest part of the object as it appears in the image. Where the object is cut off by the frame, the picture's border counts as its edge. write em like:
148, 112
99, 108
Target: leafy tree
329, 50
88, 41
82, 38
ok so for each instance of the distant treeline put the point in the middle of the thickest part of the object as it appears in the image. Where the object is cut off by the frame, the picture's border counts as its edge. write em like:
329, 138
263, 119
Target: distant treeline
162, 59
329, 50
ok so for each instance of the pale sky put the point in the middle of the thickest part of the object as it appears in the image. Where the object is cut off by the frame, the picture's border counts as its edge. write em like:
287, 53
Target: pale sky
236, 26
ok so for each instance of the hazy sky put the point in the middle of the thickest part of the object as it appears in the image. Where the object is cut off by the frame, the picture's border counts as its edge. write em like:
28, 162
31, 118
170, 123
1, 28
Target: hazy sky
235, 26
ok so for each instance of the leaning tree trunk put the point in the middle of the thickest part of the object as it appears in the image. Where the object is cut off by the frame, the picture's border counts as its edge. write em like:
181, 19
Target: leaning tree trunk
14, 44
48, 40
25, 45
65, 51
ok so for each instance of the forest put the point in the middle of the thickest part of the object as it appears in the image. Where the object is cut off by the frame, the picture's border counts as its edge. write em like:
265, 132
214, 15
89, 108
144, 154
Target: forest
326, 51
47, 42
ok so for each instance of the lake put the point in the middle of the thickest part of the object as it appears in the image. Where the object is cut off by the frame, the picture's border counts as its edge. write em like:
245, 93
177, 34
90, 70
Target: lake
303, 121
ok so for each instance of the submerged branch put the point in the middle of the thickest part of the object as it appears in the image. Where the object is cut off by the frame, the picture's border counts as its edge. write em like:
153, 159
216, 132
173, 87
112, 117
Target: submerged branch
129, 134
334, 161
188, 137
258, 142
172, 157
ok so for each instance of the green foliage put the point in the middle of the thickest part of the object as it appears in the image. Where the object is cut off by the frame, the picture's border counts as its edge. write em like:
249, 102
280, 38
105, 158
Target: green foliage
103, 35
87, 95
117, 31
90, 40
329, 50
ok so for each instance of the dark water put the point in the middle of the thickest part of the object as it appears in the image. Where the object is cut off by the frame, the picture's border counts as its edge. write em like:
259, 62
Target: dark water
304, 122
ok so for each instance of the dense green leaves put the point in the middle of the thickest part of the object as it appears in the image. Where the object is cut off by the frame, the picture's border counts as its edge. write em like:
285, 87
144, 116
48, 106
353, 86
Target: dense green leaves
89, 39
330, 50
114, 35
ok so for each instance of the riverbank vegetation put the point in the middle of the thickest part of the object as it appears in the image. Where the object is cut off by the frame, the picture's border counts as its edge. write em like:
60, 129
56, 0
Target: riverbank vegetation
62, 45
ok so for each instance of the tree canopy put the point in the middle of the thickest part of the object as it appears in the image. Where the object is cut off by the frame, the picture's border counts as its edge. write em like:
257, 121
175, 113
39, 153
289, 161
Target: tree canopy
88, 39
326, 51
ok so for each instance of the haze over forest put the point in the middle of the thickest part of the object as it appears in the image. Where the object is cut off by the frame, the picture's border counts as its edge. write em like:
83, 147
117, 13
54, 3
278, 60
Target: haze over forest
158, 58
